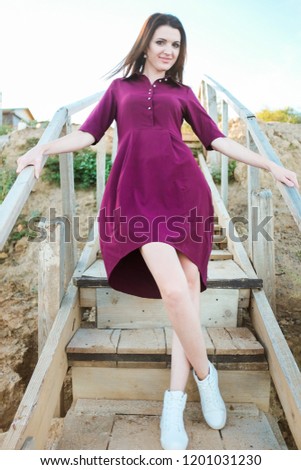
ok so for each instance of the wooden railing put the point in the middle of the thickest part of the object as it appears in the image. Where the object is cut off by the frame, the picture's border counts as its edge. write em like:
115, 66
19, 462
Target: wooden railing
283, 368
260, 250
12, 206
59, 312
210, 90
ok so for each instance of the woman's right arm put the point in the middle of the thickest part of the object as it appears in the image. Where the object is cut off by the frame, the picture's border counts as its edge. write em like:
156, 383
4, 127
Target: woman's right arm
69, 143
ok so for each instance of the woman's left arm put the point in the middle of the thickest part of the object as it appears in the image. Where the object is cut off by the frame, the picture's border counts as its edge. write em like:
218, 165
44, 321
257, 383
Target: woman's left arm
238, 152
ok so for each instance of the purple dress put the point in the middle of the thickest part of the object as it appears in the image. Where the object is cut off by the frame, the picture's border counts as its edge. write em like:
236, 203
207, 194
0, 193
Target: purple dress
156, 191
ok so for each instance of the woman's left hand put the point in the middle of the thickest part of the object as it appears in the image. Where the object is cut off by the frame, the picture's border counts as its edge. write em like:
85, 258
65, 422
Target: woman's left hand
284, 175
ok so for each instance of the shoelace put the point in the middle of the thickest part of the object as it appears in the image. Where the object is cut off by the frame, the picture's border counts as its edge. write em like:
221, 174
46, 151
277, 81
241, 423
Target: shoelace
173, 413
212, 395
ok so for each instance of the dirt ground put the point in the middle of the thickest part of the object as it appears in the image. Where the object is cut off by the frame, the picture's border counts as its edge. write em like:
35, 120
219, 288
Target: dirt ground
19, 269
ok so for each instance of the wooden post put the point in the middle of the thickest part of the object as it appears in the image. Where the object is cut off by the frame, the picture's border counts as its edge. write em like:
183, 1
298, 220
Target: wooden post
100, 170
253, 185
263, 242
214, 157
68, 208
50, 287
115, 142
225, 173
203, 95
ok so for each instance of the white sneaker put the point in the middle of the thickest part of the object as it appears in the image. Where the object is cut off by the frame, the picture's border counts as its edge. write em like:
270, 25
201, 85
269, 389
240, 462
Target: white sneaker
173, 434
213, 406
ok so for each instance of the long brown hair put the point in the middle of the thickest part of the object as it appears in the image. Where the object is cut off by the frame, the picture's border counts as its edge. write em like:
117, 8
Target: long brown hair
135, 60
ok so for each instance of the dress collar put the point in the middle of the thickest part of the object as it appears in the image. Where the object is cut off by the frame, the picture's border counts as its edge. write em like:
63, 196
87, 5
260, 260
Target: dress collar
167, 78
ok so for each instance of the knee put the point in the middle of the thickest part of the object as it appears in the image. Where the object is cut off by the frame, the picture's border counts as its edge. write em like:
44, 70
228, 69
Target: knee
193, 281
175, 293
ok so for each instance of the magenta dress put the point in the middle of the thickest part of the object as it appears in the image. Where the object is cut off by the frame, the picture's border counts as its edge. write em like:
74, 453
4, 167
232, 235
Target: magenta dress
156, 191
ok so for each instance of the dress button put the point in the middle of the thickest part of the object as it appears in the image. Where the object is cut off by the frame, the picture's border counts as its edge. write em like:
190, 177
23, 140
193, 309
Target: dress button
154, 86
165, 79
150, 89
149, 98
149, 107
160, 81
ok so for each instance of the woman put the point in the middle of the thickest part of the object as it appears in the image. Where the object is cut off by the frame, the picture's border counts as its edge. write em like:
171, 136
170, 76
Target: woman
155, 221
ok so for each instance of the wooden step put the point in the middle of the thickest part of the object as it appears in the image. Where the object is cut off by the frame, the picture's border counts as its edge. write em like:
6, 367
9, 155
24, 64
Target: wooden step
134, 425
218, 306
135, 364
222, 274
227, 348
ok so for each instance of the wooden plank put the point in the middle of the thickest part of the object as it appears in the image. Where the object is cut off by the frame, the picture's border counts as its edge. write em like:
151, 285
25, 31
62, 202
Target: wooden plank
219, 269
283, 368
94, 433
252, 433
135, 425
263, 247
138, 384
168, 336
245, 341
90, 340
168, 331
96, 407
225, 159
234, 245
50, 287
225, 269
138, 341
218, 307
135, 432
220, 255
253, 185
234, 341
68, 208
151, 348
83, 103
209, 344
88, 296
222, 341
100, 170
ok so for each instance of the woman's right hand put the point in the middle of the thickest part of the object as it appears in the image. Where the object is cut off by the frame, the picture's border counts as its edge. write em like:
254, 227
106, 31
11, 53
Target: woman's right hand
34, 157
76, 140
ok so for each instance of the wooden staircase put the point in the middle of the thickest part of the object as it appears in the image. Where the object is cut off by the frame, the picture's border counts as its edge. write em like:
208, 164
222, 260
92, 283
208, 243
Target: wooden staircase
120, 360
121, 365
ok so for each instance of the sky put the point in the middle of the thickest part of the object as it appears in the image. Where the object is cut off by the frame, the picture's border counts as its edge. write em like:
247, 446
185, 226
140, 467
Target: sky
55, 52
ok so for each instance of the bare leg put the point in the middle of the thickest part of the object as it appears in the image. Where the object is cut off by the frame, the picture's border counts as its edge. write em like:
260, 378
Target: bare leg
180, 366
166, 268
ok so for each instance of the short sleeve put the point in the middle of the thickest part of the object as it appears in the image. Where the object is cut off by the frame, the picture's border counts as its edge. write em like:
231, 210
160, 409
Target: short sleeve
102, 115
202, 124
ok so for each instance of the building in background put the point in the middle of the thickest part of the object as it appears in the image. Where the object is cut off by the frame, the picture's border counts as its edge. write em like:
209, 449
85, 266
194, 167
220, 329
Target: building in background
17, 118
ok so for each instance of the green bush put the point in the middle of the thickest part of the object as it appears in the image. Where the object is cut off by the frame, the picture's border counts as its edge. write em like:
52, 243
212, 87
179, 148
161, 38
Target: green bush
216, 172
280, 115
108, 166
29, 144
7, 179
21, 228
84, 165
5, 129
